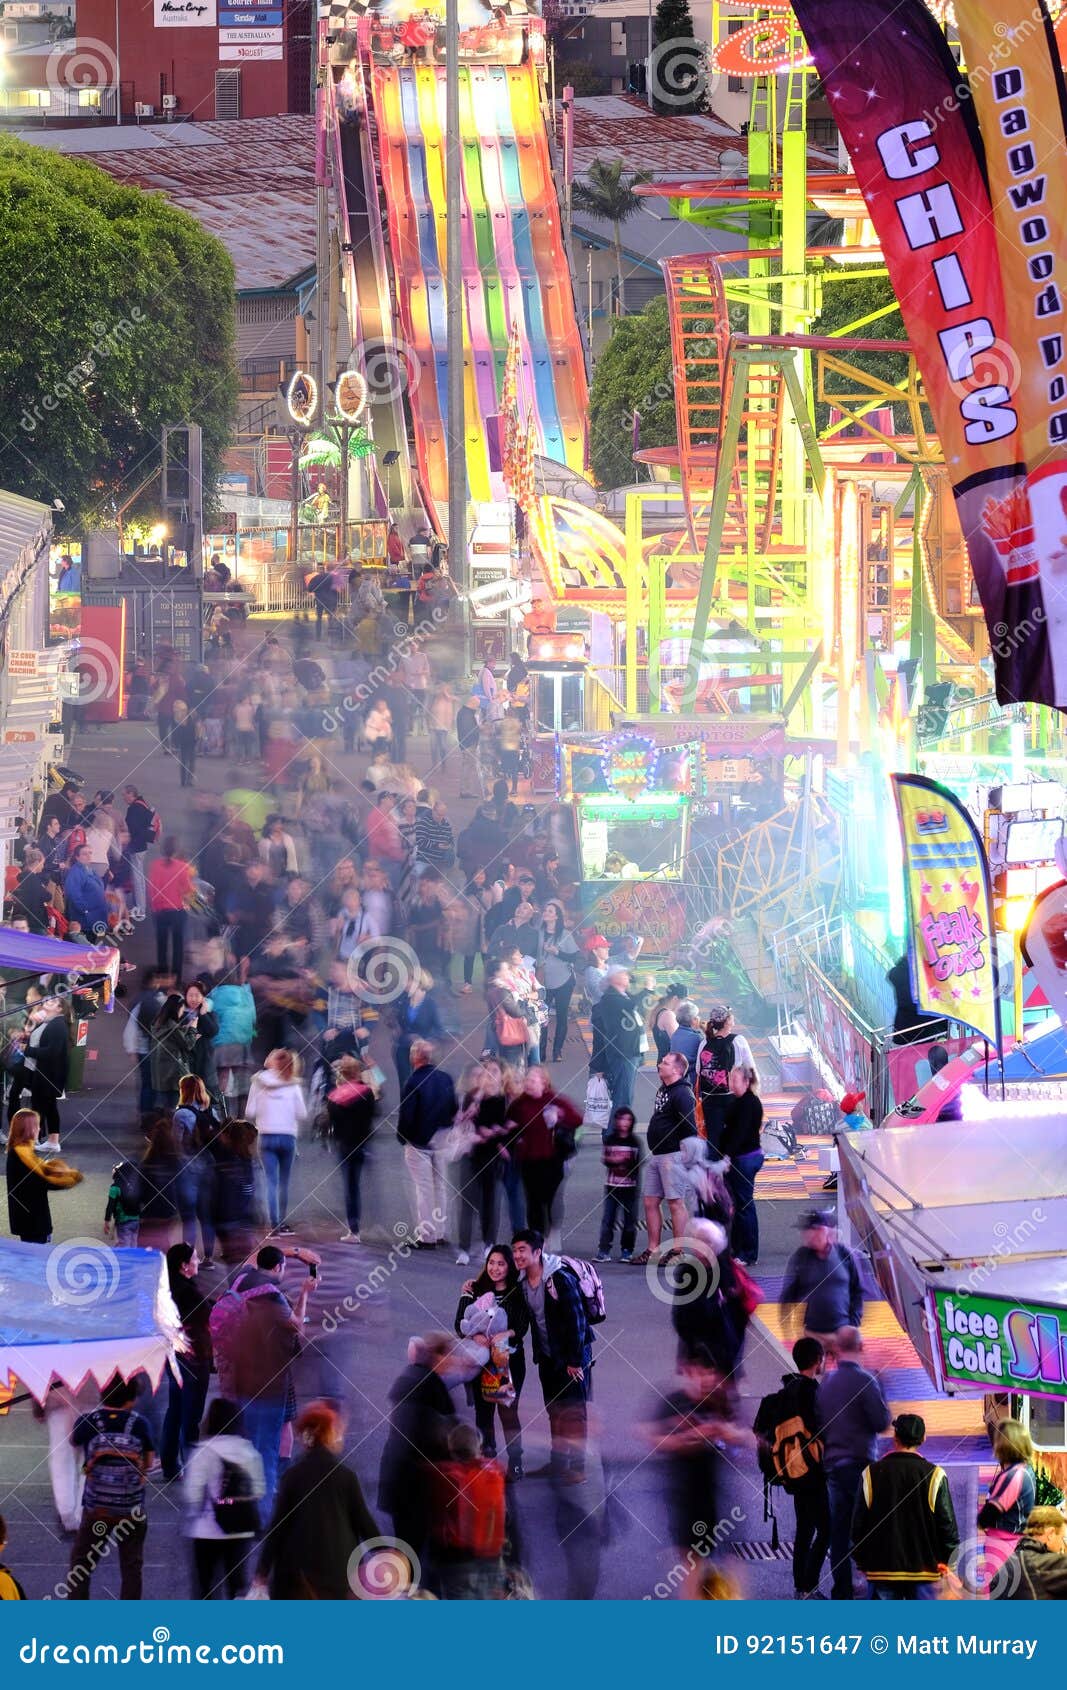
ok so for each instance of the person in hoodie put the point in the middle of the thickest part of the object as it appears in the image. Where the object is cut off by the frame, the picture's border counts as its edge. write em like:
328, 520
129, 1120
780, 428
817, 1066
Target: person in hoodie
277, 1106
350, 1107
796, 1400
562, 1342
221, 1547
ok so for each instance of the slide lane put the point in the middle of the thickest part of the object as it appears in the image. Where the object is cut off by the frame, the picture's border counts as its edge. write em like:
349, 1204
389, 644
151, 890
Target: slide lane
550, 260
515, 269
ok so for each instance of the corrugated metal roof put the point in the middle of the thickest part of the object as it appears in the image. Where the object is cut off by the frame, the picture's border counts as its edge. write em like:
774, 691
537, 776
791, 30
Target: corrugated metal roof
621, 126
250, 182
22, 523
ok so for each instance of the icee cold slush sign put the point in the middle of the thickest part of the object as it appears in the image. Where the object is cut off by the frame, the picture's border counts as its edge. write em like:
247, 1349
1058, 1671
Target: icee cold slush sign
987, 1341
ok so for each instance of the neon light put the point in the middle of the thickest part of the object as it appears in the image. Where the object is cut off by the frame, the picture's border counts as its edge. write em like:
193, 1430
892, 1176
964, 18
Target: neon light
350, 395
302, 397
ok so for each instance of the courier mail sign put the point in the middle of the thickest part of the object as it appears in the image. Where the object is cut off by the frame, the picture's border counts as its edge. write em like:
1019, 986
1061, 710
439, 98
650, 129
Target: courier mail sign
992, 1342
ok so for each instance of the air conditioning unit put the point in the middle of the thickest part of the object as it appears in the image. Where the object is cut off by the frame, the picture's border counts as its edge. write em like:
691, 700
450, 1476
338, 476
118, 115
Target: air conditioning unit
170, 102
140, 110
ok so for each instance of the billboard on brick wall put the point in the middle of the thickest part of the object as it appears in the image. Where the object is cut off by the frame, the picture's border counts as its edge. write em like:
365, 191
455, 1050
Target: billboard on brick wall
986, 322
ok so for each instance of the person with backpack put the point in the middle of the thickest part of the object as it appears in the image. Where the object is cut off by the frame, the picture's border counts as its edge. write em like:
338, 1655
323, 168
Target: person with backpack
144, 828
187, 1391
118, 1453
223, 1488
256, 1336
904, 1531
791, 1456
562, 1342
724, 1050
467, 1521
122, 1216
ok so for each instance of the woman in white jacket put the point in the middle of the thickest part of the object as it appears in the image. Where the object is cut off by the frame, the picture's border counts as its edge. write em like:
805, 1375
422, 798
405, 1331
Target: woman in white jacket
278, 1107
277, 849
223, 1484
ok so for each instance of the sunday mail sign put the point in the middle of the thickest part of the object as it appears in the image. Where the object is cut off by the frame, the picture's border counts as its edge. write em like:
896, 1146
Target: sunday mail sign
992, 1342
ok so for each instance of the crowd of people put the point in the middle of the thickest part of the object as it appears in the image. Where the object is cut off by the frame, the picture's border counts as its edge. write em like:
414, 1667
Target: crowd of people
308, 932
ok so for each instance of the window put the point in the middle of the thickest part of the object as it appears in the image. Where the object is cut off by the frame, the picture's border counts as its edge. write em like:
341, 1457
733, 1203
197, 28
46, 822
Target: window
618, 38
227, 95
21, 99
735, 84
89, 97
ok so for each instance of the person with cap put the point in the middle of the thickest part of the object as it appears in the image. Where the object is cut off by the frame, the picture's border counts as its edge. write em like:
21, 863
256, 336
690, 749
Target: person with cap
850, 1412
595, 978
853, 1115
824, 1276
904, 1530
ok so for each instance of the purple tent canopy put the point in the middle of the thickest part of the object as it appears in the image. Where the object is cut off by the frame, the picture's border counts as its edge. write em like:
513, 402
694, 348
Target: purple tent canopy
36, 953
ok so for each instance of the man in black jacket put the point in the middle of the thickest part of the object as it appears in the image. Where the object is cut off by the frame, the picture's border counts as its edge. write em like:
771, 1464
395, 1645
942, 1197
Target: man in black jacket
618, 1021
1036, 1570
673, 1120
562, 1343
32, 894
427, 1107
142, 825
796, 1402
904, 1525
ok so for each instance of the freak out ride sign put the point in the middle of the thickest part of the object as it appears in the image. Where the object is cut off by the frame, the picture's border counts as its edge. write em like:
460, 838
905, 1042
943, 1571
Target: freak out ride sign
979, 275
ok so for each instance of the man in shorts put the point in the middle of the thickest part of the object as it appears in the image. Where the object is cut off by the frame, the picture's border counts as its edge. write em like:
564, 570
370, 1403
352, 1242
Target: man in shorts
673, 1120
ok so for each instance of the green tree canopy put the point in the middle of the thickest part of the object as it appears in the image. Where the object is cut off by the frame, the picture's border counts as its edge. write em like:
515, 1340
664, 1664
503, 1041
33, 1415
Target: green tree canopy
849, 301
679, 71
118, 319
633, 373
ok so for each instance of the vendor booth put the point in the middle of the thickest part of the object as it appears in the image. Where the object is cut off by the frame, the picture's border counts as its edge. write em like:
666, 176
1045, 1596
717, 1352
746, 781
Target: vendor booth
964, 1223
80, 1312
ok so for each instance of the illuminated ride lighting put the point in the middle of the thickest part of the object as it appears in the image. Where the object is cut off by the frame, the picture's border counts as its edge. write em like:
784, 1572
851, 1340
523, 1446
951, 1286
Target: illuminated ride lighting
763, 47
350, 395
302, 397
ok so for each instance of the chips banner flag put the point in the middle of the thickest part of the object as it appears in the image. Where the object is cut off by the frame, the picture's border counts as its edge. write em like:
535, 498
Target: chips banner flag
907, 117
949, 907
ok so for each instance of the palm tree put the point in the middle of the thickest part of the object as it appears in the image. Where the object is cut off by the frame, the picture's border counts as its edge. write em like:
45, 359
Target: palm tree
607, 192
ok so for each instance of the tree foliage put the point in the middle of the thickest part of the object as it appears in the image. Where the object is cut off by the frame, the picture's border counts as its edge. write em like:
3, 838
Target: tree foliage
846, 302
633, 373
118, 320
679, 71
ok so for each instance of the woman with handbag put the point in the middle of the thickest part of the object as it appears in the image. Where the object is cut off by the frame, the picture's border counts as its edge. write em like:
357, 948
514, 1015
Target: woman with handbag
508, 1031
223, 1486
1003, 1515
496, 1393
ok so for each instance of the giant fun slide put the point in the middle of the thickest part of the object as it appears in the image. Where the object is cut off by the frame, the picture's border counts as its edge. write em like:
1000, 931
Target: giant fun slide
515, 269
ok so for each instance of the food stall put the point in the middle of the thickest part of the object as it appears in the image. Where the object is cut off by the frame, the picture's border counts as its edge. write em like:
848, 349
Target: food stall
631, 802
964, 1223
